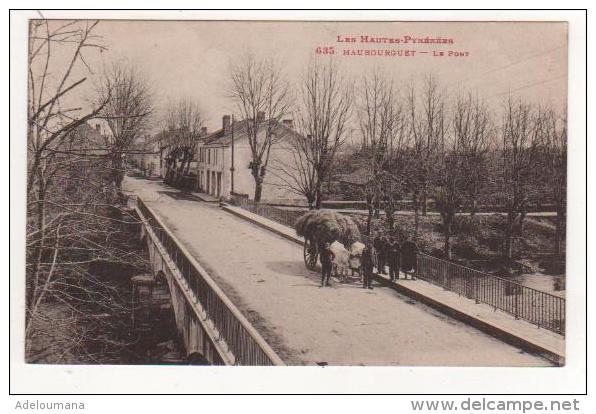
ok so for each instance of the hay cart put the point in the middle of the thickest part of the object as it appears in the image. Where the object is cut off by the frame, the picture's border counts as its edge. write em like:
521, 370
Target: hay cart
321, 226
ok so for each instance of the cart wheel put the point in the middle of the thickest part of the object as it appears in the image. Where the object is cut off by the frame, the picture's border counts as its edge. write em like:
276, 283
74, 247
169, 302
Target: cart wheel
311, 254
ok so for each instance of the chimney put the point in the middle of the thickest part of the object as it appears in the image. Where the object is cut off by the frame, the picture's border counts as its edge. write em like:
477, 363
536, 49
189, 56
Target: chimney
203, 131
98, 128
225, 122
260, 116
289, 123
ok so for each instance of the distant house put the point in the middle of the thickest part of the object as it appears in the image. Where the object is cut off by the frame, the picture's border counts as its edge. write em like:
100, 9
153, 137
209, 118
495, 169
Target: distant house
215, 171
145, 154
153, 159
150, 153
86, 140
79, 157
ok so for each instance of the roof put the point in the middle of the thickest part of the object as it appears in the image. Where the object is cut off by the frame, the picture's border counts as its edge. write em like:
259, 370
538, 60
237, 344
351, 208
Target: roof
221, 137
163, 138
85, 139
87, 136
159, 137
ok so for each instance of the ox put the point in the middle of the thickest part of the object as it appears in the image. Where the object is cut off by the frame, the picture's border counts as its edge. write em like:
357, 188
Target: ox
346, 259
341, 261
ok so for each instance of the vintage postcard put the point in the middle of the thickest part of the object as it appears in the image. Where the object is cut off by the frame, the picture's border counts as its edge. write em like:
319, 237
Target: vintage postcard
296, 193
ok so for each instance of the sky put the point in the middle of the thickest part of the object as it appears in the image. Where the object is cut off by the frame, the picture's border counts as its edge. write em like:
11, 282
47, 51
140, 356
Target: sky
191, 59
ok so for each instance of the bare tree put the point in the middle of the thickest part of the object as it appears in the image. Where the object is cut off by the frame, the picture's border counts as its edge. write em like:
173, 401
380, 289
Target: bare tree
449, 177
427, 124
448, 193
70, 206
460, 170
184, 123
260, 94
49, 122
395, 176
378, 116
127, 112
473, 130
554, 170
522, 132
321, 115
49, 128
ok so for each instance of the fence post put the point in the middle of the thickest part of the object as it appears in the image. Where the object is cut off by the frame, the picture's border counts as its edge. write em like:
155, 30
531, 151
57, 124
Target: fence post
417, 266
515, 292
476, 289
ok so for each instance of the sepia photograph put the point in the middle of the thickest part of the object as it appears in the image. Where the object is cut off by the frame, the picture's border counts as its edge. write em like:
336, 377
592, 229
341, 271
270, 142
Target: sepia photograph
338, 194
296, 193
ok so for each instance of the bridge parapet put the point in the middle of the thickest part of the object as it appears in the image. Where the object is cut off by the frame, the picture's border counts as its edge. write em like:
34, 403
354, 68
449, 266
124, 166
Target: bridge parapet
209, 321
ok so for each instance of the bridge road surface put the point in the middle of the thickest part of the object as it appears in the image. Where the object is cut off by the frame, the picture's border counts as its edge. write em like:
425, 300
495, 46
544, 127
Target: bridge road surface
265, 276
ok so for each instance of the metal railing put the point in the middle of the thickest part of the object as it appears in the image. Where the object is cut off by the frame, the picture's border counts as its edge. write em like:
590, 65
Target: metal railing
540, 308
535, 306
280, 215
243, 341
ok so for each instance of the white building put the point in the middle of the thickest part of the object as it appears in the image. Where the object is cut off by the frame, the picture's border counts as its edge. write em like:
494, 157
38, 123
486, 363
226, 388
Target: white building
215, 172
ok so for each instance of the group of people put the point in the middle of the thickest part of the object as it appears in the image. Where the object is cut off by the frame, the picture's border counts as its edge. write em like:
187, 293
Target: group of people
384, 253
387, 254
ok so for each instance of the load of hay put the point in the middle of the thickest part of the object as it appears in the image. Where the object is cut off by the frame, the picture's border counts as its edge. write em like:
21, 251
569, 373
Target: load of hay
327, 226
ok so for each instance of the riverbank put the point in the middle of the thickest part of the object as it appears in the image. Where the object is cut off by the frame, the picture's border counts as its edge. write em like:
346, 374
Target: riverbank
97, 327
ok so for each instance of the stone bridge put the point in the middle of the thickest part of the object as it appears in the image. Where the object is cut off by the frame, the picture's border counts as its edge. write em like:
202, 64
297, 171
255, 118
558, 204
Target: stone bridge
209, 323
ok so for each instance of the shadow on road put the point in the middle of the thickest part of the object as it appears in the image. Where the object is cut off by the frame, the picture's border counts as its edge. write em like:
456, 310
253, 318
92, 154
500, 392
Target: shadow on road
138, 176
297, 269
177, 195
292, 268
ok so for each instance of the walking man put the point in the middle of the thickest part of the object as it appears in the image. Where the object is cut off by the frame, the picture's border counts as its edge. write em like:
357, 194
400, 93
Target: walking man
384, 254
409, 253
326, 257
393, 261
367, 267
378, 253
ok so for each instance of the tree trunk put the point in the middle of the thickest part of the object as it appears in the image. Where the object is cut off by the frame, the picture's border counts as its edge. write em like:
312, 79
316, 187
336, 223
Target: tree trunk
424, 204
370, 209
376, 205
310, 199
416, 217
559, 232
319, 197
508, 244
161, 162
186, 164
509, 248
448, 238
117, 170
32, 290
522, 218
390, 219
474, 208
258, 189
